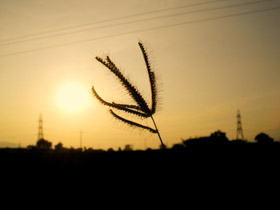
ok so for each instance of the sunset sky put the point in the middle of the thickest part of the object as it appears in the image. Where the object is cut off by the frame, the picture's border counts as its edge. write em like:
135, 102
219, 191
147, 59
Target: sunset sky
211, 58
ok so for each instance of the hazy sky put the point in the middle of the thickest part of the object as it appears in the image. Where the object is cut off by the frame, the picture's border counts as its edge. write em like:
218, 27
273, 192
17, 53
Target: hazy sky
212, 58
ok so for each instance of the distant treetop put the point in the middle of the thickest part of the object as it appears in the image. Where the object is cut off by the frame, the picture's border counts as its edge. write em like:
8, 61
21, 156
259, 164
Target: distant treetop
263, 138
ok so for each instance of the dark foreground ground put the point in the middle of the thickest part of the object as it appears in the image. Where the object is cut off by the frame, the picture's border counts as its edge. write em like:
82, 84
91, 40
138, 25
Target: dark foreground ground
219, 157
208, 172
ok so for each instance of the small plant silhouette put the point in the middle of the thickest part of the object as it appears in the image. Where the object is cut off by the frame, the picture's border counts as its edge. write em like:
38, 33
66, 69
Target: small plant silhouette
141, 109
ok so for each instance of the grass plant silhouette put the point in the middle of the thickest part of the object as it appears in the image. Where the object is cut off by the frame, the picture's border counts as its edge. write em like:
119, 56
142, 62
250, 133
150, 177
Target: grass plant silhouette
142, 108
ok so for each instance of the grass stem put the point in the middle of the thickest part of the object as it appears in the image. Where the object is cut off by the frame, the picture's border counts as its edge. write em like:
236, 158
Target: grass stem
162, 144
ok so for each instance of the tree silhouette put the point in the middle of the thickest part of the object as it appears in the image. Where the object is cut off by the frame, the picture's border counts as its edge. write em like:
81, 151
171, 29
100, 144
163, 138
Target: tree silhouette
128, 147
43, 144
59, 146
219, 137
263, 138
141, 109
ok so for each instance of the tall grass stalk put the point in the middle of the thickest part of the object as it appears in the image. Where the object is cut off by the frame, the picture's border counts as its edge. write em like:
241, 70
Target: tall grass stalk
141, 109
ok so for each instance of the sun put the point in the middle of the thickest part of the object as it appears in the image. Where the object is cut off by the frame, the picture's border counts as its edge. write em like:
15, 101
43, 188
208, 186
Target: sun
73, 97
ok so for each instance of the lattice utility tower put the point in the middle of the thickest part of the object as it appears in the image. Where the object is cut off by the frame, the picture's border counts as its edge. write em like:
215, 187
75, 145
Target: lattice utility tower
239, 132
40, 130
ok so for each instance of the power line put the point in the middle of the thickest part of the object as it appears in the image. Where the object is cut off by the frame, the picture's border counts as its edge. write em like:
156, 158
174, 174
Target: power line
135, 21
141, 30
110, 20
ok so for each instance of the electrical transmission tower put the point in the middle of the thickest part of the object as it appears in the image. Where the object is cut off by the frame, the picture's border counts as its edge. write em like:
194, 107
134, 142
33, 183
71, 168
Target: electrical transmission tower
40, 130
239, 132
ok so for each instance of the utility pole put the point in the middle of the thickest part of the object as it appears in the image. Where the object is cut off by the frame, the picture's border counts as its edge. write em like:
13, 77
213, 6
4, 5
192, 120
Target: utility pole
81, 139
239, 132
145, 143
40, 129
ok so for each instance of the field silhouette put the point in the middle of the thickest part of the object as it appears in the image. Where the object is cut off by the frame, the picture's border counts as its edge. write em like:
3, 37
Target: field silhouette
204, 153
201, 168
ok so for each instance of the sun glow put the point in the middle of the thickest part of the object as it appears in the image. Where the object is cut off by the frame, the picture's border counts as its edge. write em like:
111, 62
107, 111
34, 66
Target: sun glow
73, 97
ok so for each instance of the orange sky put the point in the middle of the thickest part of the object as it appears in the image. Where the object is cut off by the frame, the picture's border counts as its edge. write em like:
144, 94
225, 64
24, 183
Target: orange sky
212, 58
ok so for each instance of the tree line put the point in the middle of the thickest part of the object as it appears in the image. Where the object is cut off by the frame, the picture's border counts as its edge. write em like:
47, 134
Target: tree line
217, 138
